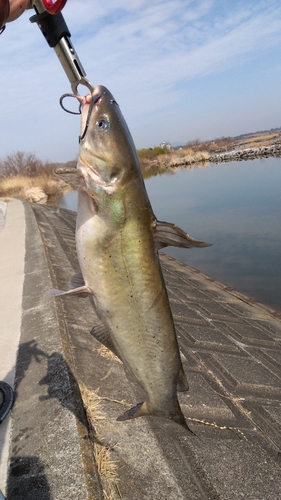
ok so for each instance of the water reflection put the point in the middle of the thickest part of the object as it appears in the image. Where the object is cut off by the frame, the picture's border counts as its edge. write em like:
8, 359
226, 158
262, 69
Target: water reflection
237, 207
69, 201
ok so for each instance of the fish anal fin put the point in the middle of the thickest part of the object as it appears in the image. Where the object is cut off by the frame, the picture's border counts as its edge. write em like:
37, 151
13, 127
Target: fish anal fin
168, 234
82, 291
101, 332
142, 410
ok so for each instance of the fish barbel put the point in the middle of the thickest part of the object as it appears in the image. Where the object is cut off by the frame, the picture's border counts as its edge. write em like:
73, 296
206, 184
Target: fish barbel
117, 239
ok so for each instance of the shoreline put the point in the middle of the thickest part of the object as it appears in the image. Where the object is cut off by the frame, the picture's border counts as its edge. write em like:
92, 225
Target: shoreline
247, 154
172, 161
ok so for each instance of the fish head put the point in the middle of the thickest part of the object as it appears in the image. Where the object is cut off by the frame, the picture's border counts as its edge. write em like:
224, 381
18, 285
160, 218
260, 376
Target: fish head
107, 154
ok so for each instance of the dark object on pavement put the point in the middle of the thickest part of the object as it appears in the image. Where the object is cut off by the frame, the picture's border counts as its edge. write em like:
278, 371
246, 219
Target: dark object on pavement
6, 400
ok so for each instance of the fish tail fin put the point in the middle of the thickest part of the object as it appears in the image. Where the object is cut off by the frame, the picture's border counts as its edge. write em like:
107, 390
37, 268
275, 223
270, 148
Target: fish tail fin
142, 410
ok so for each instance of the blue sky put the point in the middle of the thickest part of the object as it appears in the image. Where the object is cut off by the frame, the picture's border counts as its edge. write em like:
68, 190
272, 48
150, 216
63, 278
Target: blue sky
179, 69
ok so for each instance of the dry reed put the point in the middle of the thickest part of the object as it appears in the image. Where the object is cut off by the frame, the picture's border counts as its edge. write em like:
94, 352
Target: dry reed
107, 467
41, 188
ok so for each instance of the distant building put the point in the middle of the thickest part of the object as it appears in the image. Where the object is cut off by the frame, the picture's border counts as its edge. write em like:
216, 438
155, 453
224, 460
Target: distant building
166, 145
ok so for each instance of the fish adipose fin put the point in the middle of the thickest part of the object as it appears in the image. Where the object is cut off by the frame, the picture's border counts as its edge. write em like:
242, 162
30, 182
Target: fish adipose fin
168, 234
142, 410
83, 291
101, 332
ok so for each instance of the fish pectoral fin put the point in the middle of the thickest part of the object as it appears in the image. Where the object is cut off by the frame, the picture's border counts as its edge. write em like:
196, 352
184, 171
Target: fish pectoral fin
83, 291
182, 385
142, 410
101, 332
168, 234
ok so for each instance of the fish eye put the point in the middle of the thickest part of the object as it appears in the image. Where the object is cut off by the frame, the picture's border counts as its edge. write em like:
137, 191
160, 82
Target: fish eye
103, 124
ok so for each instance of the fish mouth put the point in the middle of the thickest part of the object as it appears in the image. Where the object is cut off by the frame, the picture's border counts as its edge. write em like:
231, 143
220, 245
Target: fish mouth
92, 175
89, 172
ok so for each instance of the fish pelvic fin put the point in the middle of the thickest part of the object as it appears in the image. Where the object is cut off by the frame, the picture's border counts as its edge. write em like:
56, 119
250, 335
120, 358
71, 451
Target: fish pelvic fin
168, 234
83, 291
143, 410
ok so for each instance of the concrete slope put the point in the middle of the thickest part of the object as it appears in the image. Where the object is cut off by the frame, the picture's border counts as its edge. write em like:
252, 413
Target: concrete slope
51, 456
231, 352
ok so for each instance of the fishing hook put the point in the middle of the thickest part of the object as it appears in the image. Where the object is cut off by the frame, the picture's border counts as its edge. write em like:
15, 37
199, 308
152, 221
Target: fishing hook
82, 99
67, 110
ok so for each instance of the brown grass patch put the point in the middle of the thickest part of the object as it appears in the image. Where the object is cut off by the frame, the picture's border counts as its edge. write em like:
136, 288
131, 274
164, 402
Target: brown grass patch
168, 162
41, 188
108, 354
260, 140
107, 467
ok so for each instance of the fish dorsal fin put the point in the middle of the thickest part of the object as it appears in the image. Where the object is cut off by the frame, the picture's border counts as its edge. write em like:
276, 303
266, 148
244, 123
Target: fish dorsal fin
168, 234
102, 333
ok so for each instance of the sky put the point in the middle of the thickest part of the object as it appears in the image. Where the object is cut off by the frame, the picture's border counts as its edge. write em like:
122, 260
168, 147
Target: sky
179, 69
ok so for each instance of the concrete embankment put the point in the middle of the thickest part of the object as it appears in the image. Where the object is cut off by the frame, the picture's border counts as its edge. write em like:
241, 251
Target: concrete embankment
246, 154
65, 441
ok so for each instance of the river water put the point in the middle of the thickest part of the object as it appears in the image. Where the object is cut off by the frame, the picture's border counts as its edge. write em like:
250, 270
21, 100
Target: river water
235, 206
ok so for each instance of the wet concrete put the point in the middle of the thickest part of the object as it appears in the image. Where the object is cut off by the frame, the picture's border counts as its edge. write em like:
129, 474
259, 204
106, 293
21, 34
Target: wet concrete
231, 350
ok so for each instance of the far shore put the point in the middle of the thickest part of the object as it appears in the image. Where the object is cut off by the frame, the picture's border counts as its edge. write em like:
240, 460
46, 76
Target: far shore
201, 154
22, 175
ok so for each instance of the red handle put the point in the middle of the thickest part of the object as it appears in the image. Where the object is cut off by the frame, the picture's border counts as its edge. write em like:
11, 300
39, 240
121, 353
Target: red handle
54, 7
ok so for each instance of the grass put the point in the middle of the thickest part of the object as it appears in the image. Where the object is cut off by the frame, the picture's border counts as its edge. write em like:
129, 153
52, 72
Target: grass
41, 188
151, 153
23, 175
260, 140
107, 467
175, 159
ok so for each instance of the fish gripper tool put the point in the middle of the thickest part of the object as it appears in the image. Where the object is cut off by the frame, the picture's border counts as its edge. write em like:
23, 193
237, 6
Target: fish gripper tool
54, 28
